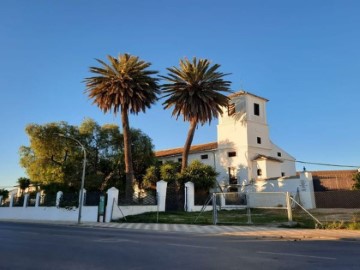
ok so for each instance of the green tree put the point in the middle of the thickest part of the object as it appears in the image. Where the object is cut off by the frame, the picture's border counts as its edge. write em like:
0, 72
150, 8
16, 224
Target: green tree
194, 91
152, 175
169, 171
203, 176
125, 85
24, 183
56, 162
4, 193
356, 178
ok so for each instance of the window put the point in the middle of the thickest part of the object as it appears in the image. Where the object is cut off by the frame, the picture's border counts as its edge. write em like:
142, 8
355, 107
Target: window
180, 160
258, 139
204, 156
259, 172
232, 176
231, 109
231, 154
256, 109
160, 162
279, 154
282, 174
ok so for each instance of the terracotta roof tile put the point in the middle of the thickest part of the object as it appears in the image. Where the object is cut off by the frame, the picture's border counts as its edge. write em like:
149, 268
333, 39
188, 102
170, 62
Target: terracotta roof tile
333, 180
242, 93
193, 149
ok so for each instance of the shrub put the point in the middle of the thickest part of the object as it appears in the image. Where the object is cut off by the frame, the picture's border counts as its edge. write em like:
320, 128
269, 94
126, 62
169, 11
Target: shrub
203, 176
356, 179
169, 171
4, 193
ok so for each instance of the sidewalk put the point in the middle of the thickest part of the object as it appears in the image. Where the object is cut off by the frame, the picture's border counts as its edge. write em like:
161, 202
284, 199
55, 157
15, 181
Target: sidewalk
241, 231
254, 232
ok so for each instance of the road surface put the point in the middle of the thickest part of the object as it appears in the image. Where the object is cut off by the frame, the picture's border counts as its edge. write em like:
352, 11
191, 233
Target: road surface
42, 246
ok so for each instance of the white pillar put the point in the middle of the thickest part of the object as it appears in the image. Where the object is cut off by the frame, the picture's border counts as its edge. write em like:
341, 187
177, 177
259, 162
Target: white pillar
306, 188
11, 200
288, 206
189, 196
112, 201
58, 198
161, 187
37, 200
26, 199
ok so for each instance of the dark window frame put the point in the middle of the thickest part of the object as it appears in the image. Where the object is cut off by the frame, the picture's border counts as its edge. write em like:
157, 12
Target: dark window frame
231, 154
258, 140
232, 175
205, 156
257, 109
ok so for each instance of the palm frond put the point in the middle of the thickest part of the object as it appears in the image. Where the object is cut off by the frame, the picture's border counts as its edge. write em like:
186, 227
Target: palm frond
194, 90
123, 83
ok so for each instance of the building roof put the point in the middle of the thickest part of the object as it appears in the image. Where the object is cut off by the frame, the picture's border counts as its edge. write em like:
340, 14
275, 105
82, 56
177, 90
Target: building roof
195, 148
243, 93
263, 157
333, 180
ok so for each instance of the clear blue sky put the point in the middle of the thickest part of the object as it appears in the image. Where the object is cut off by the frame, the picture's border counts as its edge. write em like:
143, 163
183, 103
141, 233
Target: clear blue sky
304, 56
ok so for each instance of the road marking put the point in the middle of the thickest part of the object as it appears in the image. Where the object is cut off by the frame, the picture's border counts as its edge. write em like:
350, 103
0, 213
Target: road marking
296, 255
31, 233
115, 240
191, 246
257, 240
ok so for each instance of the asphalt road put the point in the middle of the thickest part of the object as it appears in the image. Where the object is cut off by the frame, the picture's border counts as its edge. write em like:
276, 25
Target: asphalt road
39, 246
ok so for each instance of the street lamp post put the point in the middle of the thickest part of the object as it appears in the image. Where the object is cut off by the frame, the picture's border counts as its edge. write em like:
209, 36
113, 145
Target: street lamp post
83, 174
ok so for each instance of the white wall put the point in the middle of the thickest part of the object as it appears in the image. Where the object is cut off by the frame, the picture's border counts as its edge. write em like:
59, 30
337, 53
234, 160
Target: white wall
89, 213
196, 156
121, 211
266, 199
303, 184
288, 166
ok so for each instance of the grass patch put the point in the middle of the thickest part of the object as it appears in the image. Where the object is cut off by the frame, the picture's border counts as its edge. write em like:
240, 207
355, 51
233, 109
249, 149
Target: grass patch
264, 217
341, 224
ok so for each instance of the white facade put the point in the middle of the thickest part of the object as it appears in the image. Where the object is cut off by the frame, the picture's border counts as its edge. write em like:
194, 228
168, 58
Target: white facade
244, 151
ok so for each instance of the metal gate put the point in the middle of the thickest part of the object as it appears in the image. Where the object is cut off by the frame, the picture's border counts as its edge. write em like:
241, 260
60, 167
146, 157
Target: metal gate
174, 197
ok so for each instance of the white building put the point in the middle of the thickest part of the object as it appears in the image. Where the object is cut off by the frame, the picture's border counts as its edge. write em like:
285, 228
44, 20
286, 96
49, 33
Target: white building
243, 151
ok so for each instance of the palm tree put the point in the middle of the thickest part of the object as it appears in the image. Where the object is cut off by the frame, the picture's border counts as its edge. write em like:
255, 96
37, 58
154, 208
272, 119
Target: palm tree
125, 85
194, 91
24, 183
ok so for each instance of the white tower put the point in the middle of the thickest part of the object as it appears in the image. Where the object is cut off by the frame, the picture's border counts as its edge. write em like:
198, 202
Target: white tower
245, 151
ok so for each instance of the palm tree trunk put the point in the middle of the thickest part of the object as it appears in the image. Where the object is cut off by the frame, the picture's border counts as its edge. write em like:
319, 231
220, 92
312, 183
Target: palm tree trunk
188, 142
129, 171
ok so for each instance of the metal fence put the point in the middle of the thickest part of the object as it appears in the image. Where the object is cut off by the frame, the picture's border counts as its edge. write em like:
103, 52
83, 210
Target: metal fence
48, 200
18, 201
338, 199
146, 197
201, 197
245, 208
92, 198
32, 200
69, 200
